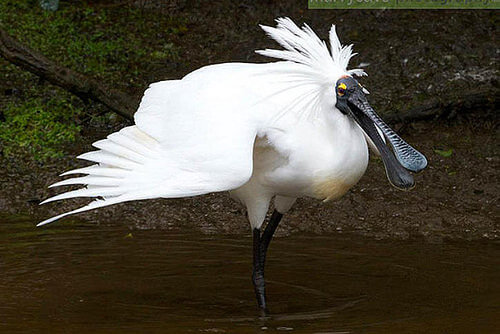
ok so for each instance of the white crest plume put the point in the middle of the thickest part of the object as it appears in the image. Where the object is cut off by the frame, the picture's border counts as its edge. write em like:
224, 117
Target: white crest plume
304, 47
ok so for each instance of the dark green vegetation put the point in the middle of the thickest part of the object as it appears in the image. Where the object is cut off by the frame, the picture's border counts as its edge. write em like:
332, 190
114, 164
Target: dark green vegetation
39, 127
116, 44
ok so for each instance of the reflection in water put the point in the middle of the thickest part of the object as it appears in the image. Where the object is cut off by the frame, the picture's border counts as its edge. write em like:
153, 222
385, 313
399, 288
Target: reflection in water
83, 278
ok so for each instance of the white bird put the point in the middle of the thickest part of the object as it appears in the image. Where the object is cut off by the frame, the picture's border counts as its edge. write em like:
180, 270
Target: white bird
297, 127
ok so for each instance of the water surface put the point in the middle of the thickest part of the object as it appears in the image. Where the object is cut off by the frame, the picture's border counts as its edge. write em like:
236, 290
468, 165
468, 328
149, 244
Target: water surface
87, 278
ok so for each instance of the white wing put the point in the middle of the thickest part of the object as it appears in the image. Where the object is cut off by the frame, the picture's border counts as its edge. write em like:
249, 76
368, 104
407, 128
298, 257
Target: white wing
192, 136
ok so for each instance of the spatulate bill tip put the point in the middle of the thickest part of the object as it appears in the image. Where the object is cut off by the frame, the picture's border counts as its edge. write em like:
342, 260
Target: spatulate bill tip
416, 162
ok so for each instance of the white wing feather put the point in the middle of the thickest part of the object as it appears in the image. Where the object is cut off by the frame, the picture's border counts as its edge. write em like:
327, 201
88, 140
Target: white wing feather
183, 144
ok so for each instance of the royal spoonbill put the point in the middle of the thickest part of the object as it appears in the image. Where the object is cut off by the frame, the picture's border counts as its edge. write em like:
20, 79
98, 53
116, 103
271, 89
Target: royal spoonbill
300, 126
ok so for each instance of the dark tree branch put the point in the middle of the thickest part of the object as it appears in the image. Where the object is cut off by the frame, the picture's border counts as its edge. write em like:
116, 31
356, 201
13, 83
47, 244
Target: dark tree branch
74, 82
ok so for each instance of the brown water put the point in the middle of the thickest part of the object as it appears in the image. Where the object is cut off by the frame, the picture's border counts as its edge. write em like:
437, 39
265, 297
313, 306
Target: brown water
84, 278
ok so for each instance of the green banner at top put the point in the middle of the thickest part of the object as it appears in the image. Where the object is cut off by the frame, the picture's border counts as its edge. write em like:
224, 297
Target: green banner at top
404, 4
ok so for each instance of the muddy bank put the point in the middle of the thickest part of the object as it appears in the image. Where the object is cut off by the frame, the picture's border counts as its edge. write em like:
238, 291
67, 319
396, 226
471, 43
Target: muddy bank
456, 197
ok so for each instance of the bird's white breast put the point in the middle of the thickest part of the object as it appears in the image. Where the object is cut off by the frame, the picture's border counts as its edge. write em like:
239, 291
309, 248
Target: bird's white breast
321, 159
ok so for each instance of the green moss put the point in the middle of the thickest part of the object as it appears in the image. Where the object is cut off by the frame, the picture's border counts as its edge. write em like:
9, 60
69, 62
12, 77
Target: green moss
169, 51
108, 43
37, 128
118, 45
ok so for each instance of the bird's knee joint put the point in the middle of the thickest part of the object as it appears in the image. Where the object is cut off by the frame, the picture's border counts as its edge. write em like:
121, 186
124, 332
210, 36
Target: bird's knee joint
258, 279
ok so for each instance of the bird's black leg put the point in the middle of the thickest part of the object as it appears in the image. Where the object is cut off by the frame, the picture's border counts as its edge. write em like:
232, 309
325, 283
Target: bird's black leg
270, 229
260, 245
259, 284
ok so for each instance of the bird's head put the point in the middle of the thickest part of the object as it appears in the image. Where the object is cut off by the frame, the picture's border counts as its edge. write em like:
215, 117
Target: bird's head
351, 101
317, 67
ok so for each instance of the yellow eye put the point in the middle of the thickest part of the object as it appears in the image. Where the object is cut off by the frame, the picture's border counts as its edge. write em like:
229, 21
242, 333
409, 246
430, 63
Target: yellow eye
341, 88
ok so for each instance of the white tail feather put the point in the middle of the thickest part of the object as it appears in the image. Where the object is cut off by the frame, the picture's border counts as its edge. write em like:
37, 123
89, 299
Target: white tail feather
98, 170
86, 192
124, 141
109, 159
122, 173
108, 146
89, 180
93, 205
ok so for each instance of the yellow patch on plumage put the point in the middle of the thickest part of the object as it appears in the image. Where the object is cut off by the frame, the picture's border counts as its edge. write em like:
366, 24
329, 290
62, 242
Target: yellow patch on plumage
328, 189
